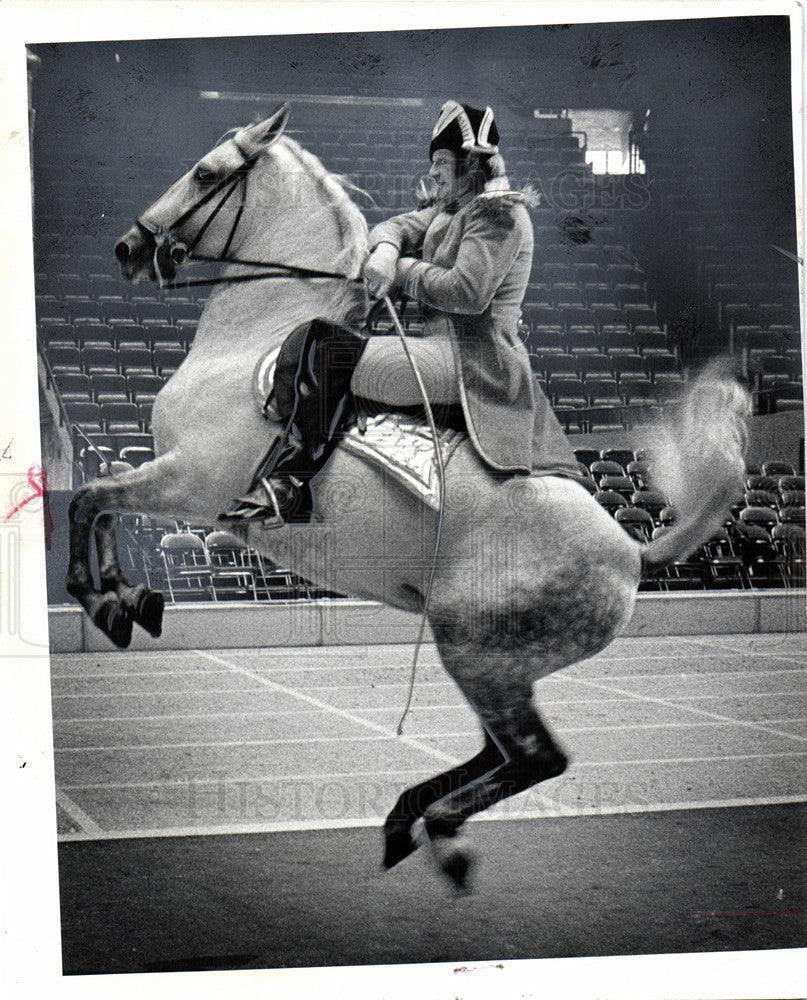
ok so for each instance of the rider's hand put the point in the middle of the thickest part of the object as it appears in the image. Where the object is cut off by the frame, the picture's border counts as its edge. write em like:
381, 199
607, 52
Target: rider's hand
379, 269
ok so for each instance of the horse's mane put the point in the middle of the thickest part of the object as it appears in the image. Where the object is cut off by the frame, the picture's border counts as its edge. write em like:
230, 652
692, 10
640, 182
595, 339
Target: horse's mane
352, 224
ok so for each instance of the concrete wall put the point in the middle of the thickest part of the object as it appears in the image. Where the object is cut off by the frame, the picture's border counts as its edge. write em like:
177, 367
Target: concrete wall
349, 623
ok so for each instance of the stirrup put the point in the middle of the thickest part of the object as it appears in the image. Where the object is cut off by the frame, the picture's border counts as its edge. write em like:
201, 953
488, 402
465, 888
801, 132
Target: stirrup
253, 509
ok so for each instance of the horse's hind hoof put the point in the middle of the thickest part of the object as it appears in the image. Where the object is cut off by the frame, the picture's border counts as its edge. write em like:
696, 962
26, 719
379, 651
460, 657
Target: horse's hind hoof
398, 844
117, 625
149, 613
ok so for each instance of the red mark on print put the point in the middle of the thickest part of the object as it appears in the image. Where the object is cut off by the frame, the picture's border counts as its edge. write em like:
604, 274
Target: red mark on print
38, 481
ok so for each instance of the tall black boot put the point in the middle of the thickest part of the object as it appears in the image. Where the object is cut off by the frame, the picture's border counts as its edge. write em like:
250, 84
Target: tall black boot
311, 394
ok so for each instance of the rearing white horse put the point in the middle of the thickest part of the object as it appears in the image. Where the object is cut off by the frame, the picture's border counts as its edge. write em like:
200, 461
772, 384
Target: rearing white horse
532, 574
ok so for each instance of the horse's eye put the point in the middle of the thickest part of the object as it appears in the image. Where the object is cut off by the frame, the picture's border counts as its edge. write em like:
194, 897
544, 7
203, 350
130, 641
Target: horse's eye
205, 176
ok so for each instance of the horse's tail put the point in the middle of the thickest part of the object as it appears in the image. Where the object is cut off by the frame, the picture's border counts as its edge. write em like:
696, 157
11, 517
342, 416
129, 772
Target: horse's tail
698, 460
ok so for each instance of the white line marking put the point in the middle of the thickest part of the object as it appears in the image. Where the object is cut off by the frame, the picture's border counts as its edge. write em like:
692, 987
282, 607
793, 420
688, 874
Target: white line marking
364, 822
283, 689
331, 775
215, 781
324, 706
558, 678
233, 743
154, 694
272, 713
561, 730
680, 704
124, 675
77, 815
402, 668
269, 713
717, 643
365, 686
409, 741
681, 675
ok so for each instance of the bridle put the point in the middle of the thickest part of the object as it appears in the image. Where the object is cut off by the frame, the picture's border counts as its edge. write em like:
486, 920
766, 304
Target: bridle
169, 251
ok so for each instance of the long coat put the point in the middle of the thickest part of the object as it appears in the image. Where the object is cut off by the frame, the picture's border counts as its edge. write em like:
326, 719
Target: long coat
471, 278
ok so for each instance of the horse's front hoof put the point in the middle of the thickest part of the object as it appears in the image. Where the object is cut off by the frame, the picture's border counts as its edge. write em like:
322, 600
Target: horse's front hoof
398, 844
149, 613
116, 623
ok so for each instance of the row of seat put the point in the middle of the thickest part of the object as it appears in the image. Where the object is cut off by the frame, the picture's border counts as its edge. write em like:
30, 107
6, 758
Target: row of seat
565, 391
764, 315
597, 314
220, 567
646, 339
189, 563
117, 333
589, 293
83, 308
622, 366
125, 359
762, 543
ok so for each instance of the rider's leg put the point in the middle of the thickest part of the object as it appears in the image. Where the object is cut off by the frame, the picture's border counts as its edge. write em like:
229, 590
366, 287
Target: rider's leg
385, 373
311, 395
319, 368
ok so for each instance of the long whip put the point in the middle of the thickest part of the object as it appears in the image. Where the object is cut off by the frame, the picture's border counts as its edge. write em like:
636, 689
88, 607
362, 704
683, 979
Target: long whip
441, 472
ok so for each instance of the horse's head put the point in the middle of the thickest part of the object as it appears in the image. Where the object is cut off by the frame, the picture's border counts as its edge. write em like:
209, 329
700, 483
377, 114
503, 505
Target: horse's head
255, 197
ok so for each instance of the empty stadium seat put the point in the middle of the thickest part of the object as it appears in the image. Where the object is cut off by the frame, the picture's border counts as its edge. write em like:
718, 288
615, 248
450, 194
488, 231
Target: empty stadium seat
188, 573
233, 575
650, 500
619, 484
73, 386
724, 566
601, 467
777, 468
602, 392
136, 455
590, 364
636, 522
610, 500
602, 419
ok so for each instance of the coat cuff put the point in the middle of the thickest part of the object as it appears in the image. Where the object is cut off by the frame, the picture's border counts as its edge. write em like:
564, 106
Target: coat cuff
410, 272
377, 241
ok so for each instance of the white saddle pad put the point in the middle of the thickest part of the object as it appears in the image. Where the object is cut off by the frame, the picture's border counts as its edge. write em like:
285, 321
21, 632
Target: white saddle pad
405, 450
391, 441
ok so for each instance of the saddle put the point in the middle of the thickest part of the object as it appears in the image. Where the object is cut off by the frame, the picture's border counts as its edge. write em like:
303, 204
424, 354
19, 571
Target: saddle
397, 440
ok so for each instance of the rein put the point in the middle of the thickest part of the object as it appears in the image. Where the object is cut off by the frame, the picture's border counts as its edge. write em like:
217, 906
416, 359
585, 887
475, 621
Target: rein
179, 253
441, 471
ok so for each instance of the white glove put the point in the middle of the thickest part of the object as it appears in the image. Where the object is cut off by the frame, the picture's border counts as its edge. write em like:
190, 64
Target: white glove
380, 269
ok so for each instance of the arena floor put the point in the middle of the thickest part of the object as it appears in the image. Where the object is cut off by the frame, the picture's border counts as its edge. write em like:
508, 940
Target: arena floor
221, 809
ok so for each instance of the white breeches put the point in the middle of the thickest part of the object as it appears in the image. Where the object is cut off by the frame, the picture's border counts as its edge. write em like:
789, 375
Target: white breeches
385, 373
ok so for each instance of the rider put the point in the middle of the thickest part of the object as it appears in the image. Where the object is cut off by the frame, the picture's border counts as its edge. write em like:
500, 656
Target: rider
466, 258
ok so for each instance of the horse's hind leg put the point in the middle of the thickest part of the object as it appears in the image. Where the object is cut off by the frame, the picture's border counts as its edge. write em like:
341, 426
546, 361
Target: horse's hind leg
413, 802
519, 752
143, 605
495, 672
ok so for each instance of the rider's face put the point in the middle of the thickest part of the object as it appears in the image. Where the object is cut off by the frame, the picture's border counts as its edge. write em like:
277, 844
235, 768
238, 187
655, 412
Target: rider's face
444, 174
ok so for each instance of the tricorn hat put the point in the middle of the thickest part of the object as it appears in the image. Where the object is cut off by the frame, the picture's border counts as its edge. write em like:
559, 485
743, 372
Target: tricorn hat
463, 129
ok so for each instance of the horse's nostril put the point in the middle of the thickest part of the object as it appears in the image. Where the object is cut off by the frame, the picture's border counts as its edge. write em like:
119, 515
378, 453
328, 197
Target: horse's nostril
122, 251
179, 253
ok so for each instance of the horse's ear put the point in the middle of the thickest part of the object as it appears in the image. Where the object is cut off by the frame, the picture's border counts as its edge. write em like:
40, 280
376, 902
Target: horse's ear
255, 138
